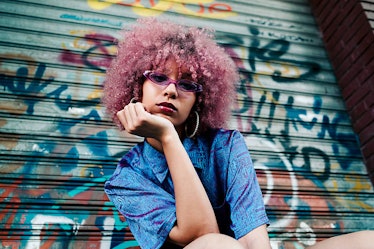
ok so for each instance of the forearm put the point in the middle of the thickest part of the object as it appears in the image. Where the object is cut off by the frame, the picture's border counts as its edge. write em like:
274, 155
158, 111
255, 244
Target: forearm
256, 239
195, 215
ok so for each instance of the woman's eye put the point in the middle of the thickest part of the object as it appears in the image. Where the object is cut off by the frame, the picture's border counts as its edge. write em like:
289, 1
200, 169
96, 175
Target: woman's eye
185, 84
159, 78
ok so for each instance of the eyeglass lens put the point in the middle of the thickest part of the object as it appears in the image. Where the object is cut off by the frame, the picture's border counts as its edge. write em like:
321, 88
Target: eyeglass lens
182, 84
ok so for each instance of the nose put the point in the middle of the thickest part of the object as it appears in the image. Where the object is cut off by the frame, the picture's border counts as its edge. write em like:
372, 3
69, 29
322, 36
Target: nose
171, 91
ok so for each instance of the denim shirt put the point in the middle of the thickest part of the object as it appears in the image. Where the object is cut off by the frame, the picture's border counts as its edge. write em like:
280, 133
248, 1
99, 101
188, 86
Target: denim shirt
142, 190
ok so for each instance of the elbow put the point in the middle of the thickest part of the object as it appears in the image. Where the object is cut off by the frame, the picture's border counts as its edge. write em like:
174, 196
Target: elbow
206, 230
203, 229
185, 236
209, 229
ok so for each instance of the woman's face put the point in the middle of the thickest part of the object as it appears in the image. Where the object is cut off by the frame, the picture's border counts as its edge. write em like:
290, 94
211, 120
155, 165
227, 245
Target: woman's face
168, 101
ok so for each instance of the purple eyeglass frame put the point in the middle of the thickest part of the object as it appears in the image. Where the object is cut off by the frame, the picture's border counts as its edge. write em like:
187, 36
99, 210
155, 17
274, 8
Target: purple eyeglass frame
197, 86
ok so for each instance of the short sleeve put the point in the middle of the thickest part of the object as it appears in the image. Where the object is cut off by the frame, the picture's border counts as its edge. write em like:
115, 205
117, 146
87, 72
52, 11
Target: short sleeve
150, 219
243, 194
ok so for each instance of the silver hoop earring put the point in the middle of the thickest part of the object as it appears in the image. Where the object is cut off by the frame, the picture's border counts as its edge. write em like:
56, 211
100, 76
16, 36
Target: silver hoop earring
196, 127
133, 100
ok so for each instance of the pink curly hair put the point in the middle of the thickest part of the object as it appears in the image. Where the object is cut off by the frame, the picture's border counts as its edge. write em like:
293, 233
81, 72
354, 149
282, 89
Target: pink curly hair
149, 44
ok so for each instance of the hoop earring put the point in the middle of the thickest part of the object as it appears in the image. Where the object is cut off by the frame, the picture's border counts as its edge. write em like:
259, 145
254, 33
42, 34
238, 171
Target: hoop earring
196, 127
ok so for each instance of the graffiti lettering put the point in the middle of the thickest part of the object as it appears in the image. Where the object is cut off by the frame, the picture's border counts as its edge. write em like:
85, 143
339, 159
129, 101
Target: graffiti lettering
98, 56
272, 52
191, 7
81, 18
18, 84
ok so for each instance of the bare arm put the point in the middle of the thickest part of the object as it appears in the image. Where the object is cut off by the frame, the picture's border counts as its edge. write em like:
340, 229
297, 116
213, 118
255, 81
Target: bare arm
357, 240
256, 239
195, 215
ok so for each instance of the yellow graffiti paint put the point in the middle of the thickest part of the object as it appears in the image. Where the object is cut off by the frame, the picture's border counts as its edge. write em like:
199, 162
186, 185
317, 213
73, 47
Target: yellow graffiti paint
156, 10
163, 6
78, 42
358, 185
284, 69
97, 93
209, 10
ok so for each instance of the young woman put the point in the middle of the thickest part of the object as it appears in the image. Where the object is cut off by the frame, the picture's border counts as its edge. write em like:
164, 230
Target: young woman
190, 183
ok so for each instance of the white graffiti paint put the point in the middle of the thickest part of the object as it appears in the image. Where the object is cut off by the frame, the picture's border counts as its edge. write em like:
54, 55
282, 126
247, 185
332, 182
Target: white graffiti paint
40, 220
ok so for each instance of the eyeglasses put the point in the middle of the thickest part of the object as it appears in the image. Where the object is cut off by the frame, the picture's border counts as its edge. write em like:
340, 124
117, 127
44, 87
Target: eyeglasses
182, 84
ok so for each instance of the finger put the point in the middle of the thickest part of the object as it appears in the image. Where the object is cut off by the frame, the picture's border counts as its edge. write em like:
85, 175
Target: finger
140, 111
132, 116
122, 118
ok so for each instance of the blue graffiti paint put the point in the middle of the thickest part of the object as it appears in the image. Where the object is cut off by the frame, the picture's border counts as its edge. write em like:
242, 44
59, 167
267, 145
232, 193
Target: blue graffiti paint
273, 51
18, 84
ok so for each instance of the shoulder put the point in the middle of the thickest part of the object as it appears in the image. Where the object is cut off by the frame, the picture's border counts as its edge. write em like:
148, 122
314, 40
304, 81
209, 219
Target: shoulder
132, 156
141, 159
132, 168
128, 163
223, 137
222, 142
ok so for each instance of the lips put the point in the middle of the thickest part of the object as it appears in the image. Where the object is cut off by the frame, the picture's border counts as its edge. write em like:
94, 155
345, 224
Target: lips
166, 105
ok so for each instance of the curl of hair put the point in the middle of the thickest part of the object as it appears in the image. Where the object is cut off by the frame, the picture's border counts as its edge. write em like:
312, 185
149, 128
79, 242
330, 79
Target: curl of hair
149, 44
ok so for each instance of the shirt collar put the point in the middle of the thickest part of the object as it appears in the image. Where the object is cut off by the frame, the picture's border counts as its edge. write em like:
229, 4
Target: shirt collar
156, 160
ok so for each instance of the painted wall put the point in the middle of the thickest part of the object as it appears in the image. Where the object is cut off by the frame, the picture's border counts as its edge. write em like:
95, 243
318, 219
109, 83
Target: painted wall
57, 147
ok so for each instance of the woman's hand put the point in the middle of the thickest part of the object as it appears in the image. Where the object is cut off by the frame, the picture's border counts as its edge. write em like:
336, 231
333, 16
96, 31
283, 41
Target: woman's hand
136, 120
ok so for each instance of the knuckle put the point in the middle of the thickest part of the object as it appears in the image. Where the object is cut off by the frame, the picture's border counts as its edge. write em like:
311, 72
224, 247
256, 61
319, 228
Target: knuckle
130, 129
141, 120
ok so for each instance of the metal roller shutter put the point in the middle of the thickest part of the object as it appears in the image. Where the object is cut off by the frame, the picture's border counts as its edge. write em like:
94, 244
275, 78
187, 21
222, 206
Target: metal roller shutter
57, 147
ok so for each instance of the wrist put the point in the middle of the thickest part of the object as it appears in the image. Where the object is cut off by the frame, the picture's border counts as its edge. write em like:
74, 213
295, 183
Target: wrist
169, 137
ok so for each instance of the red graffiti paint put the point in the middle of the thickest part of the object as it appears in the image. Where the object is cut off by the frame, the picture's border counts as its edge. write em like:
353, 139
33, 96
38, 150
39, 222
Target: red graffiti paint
97, 56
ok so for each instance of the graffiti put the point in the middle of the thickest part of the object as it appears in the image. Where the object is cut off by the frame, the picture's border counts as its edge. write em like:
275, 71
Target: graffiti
81, 18
97, 56
57, 227
271, 54
287, 117
58, 147
271, 23
199, 8
17, 84
273, 106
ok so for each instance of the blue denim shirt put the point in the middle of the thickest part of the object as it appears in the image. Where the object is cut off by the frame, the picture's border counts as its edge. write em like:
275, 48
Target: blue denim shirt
142, 190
